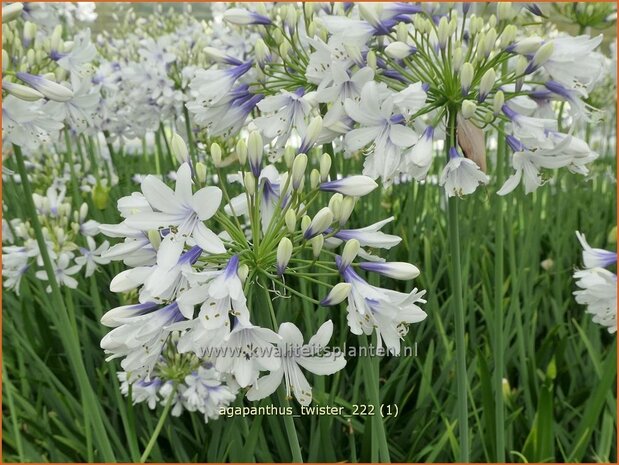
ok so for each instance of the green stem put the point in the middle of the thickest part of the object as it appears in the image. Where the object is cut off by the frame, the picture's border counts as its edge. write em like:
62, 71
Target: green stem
499, 353
291, 431
162, 419
458, 306
190, 141
371, 375
63, 322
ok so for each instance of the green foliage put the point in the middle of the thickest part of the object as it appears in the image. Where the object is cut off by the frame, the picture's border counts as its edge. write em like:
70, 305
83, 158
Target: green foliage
560, 368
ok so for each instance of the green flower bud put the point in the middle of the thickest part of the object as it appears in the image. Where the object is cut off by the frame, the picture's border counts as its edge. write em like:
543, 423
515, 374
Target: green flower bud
216, 154
298, 170
325, 166
351, 249
179, 148
284, 252
241, 151
249, 181
497, 102
348, 204
443, 33
291, 221
466, 77
335, 204
201, 172
468, 109
317, 244
314, 178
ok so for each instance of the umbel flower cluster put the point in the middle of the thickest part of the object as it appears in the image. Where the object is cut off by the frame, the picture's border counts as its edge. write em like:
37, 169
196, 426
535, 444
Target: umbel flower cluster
202, 255
387, 78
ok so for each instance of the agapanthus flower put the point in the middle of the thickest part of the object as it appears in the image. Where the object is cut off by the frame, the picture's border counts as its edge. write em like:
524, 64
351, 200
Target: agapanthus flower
597, 285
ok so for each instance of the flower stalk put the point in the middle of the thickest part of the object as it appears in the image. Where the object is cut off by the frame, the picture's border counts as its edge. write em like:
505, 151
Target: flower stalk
458, 304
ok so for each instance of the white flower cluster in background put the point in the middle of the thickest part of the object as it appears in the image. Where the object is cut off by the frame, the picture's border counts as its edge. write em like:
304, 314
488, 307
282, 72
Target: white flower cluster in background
597, 285
70, 239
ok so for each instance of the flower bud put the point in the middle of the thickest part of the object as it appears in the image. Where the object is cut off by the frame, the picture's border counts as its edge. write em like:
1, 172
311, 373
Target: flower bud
243, 17
261, 52
255, 149
335, 204
356, 186
289, 155
401, 31
216, 154
216, 55
249, 181
351, 249
311, 29
201, 172
509, 35
21, 92
314, 129
527, 46
241, 151
277, 36
481, 45
456, 59
497, 102
542, 55
443, 33
56, 38
284, 252
242, 272
291, 221
179, 148
83, 212
51, 90
284, 49
314, 178
504, 11
317, 243
468, 108
547, 264
348, 204
399, 50
490, 41
298, 170
30, 32
321, 221
371, 59
466, 77
486, 84
5, 60
305, 223
11, 12
338, 293
325, 166
395, 270
60, 74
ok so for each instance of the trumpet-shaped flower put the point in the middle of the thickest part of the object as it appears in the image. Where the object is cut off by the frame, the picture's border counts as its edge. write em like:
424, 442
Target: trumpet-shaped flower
461, 176
294, 355
181, 212
387, 312
382, 127
246, 351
